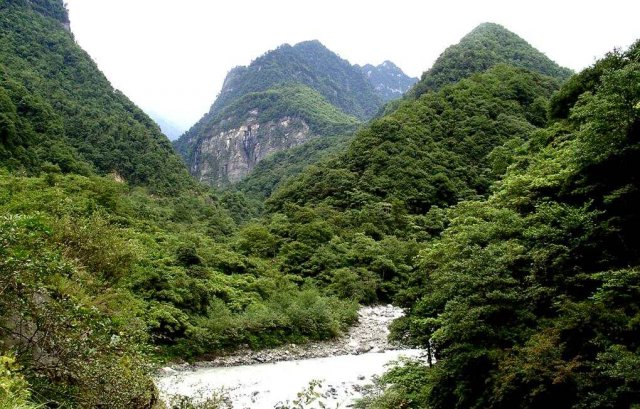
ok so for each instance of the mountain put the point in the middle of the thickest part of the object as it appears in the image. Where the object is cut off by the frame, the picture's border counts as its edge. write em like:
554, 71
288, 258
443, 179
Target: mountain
58, 109
531, 298
485, 46
282, 99
309, 63
389, 81
255, 126
433, 151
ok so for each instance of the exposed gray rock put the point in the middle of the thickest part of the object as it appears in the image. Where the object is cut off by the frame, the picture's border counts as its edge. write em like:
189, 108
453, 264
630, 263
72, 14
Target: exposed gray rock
368, 335
228, 155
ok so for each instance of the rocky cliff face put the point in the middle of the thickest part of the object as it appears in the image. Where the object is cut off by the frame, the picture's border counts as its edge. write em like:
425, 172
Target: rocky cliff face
228, 155
282, 99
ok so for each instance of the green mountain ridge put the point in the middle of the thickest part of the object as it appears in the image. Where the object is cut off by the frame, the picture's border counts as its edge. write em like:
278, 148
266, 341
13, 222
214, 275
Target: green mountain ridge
485, 46
59, 109
284, 98
308, 63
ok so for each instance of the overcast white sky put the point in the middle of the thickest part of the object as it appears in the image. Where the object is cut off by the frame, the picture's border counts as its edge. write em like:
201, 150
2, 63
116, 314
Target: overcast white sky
171, 56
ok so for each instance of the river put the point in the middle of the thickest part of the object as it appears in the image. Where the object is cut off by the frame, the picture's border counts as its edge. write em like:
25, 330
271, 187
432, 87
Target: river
341, 366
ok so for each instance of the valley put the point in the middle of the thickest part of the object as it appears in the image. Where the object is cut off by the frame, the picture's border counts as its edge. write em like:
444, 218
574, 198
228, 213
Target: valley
322, 219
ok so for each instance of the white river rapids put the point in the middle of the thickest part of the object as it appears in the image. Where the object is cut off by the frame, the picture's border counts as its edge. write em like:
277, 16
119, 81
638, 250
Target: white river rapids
342, 366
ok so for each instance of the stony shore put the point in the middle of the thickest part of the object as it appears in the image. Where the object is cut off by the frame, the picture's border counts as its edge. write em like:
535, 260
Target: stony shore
368, 335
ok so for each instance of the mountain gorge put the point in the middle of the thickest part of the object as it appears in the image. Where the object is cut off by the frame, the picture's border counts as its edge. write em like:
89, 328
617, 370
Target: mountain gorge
282, 99
496, 203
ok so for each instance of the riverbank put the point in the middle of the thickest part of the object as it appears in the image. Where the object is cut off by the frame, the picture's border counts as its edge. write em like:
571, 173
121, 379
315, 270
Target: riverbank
340, 369
368, 335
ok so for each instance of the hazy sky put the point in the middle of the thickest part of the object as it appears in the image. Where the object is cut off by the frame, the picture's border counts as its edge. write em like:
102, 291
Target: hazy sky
171, 56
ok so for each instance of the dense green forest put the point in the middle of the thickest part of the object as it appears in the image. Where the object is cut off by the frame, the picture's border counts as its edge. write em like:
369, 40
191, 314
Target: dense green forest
531, 298
487, 45
58, 109
498, 206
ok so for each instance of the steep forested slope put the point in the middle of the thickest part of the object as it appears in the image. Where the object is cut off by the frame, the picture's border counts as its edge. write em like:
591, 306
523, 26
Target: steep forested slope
487, 45
531, 299
57, 108
433, 151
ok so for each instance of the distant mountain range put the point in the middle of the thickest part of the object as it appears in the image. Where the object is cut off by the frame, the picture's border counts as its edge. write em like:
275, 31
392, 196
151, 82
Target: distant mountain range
282, 99
389, 81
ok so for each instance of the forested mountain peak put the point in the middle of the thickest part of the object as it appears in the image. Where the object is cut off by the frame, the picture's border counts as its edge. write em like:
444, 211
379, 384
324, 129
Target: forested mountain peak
485, 46
309, 63
282, 99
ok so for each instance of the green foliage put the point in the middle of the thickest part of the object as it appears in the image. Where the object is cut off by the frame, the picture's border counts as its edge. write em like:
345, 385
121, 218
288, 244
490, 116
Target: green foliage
308, 63
433, 151
530, 298
14, 389
486, 46
276, 169
70, 351
56, 107
105, 270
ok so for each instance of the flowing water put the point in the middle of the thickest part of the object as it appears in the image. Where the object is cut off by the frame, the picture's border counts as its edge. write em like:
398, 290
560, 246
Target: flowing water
342, 367
264, 386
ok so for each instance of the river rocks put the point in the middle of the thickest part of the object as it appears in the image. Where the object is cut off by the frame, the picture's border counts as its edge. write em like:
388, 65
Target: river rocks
367, 336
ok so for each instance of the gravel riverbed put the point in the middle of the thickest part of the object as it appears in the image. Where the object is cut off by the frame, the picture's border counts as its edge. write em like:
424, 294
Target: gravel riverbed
266, 379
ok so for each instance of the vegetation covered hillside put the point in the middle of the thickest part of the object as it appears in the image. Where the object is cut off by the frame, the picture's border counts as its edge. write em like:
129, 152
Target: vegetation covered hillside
308, 63
487, 45
531, 298
282, 99
57, 109
434, 151
98, 279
